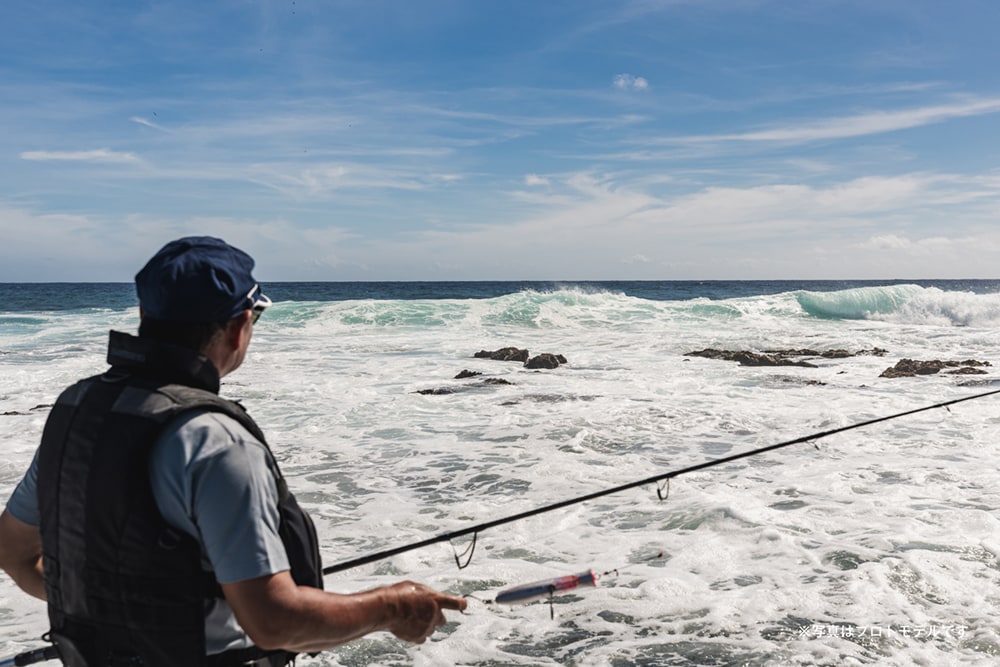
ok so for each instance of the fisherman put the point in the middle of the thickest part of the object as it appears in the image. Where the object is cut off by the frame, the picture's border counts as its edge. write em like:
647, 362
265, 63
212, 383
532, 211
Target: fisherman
154, 519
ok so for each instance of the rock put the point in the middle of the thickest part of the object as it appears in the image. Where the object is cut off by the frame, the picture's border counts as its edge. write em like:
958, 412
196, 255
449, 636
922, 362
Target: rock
749, 358
781, 357
467, 374
444, 391
489, 381
912, 368
545, 360
503, 354
800, 381
828, 354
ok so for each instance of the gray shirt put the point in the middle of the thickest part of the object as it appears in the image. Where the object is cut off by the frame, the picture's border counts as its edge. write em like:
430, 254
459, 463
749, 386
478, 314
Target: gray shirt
211, 479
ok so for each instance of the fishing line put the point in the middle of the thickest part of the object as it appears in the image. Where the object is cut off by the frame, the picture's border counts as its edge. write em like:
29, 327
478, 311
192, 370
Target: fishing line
549, 587
662, 481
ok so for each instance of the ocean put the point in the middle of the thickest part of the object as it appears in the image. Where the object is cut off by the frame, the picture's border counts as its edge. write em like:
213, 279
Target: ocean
873, 546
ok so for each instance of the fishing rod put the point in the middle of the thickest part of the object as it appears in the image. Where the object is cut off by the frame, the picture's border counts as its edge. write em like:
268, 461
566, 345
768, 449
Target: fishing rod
549, 587
31, 657
657, 479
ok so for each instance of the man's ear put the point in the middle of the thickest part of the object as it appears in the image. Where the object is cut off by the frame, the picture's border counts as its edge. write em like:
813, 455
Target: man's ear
238, 327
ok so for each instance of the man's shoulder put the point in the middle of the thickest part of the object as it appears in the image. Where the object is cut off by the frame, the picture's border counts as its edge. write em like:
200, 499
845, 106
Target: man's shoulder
203, 433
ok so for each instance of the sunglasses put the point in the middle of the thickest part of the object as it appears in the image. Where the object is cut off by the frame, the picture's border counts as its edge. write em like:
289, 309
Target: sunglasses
258, 303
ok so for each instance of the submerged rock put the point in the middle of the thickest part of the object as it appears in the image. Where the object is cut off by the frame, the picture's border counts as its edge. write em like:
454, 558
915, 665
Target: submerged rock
444, 391
745, 358
828, 354
782, 357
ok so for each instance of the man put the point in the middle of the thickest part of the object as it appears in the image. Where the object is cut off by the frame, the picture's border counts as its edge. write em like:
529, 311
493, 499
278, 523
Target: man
154, 519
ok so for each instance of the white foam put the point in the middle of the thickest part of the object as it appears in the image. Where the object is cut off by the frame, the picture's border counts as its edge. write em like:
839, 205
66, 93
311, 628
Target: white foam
769, 558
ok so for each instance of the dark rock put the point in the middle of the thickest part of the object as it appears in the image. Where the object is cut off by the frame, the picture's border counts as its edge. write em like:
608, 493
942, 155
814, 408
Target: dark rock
503, 354
799, 352
967, 370
750, 358
979, 383
912, 368
800, 381
545, 360
489, 381
444, 391
549, 398
467, 374
782, 357
827, 354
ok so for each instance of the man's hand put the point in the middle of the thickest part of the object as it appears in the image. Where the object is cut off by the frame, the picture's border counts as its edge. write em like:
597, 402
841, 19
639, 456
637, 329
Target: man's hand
418, 610
277, 613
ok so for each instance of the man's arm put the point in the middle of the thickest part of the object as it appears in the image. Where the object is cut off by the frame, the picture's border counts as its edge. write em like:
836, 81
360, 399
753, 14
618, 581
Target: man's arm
21, 554
277, 613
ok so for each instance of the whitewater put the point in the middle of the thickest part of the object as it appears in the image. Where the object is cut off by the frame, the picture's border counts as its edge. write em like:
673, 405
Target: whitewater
878, 546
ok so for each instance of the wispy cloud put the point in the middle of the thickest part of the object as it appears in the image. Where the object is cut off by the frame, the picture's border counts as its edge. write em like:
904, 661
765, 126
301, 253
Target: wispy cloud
99, 155
598, 220
148, 123
876, 122
319, 180
533, 180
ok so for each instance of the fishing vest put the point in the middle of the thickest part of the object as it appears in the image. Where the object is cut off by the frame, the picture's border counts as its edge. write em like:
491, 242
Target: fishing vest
123, 586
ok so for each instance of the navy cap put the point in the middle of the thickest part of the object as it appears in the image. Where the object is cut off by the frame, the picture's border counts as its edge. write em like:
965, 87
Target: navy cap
196, 279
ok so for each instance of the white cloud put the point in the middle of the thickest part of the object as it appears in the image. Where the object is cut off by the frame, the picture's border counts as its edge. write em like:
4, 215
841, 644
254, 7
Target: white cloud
113, 248
577, 226
887, 242
322, 179
629, 82
759, 232
148, 123
876, 122
99, 155
936, 246
535, 180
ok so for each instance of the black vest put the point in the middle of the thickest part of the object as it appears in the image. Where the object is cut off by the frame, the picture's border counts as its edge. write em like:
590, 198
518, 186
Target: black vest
124, 587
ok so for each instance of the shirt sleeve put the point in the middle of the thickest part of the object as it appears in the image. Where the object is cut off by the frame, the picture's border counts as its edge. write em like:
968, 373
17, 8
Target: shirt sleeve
212, 479
23, 503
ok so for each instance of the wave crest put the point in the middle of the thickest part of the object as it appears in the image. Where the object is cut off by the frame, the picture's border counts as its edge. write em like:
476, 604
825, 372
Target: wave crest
904, 304
859, 303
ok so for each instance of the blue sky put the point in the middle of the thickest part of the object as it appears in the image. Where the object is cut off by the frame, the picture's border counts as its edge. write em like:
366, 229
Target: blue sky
467, 140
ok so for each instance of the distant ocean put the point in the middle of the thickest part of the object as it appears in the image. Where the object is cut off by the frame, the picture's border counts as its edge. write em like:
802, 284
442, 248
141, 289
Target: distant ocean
878, 546
15, 297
